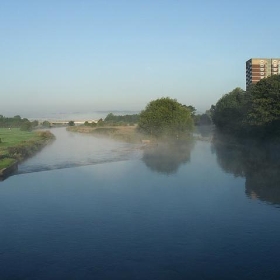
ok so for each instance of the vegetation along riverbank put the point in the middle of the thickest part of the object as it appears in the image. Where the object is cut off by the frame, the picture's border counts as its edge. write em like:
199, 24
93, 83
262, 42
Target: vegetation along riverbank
254, 113
17, 145
126, 133
163, 119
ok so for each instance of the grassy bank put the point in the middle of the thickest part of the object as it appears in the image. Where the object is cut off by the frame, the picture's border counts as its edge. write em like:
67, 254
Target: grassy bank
122, 133
5, 162
17, 145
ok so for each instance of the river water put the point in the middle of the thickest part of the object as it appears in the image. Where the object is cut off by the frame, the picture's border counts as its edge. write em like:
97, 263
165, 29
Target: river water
93, 208
75, 149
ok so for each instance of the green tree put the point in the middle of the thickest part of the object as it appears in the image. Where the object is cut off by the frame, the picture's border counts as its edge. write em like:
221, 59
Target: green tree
205, 119
253, 113
230, 111
165, 117
111, 119
264, 111
46, 124
100, 122
16, 121
26, 126
191, 109
71, 123
35, 123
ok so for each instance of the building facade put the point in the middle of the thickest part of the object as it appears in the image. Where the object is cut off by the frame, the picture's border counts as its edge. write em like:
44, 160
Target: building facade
259, 68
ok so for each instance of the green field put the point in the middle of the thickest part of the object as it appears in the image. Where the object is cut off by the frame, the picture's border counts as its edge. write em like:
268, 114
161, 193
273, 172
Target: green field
13, 137
17, 145
6, 162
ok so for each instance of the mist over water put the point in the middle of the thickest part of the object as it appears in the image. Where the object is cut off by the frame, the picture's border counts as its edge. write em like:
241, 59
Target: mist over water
171, 211
258, 164
74, 116
72, 149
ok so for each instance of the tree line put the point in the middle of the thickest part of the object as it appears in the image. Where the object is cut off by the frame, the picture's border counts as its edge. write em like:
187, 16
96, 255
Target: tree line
163, 117
17, 122
125, 119
252, 113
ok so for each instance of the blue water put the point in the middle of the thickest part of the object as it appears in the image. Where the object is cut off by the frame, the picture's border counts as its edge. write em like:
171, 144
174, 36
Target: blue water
74, 149
134, 219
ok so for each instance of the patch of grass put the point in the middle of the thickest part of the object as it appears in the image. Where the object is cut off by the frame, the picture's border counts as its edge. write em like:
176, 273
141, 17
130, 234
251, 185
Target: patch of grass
105, 130
14, 136
19, 144
6, 162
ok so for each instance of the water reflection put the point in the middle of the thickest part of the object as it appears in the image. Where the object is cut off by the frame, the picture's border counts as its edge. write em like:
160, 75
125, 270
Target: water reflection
167, 157
259, 163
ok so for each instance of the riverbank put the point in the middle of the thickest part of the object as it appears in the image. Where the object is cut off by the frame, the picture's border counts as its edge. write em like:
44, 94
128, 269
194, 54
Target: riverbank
17, 145
127, 134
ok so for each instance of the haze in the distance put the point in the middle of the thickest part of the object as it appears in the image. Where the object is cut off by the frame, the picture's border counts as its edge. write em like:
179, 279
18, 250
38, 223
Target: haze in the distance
66, 56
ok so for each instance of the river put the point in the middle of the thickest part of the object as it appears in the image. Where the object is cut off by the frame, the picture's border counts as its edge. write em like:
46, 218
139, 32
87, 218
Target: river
94, 208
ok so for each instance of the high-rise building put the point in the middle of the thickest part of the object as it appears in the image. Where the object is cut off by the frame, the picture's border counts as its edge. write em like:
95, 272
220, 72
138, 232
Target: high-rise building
259, 68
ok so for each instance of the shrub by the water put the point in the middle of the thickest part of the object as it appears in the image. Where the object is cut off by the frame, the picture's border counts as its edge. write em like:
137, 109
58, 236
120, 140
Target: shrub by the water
166, 117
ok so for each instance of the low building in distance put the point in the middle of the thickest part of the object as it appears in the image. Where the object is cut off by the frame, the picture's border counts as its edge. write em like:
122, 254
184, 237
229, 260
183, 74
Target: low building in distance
259, 68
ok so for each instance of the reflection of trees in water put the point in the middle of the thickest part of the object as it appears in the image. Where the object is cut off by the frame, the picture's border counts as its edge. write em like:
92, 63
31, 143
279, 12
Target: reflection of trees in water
230, 158
167, 157
264, 184
204, 130
259, 163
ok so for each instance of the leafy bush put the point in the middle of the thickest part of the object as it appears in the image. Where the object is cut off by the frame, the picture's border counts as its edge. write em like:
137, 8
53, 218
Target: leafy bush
165, 117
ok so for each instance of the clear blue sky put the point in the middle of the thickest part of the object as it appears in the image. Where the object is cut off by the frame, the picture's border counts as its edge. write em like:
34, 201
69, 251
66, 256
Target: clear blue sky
86, 55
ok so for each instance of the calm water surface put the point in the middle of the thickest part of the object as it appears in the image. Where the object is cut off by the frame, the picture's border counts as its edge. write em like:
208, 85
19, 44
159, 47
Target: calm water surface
197, 211
75, 149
